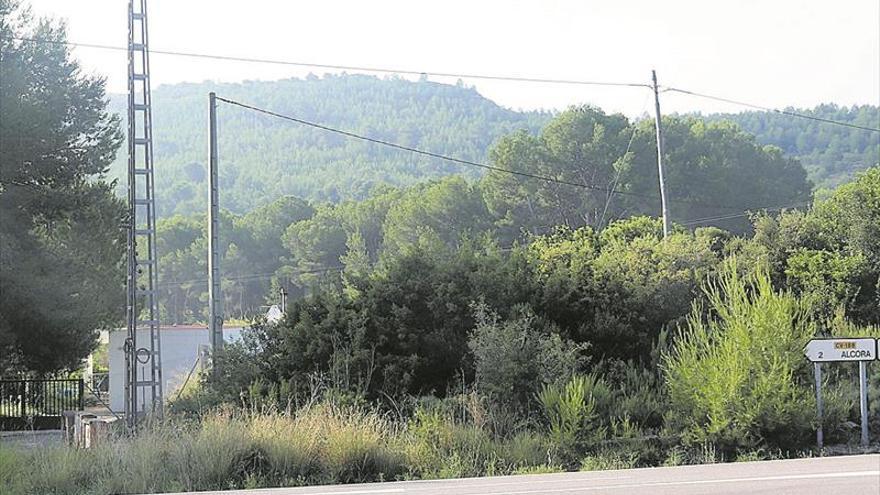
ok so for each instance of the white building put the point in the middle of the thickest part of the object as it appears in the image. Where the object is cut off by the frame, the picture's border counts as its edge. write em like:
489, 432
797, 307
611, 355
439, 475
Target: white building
180, 353
274, 315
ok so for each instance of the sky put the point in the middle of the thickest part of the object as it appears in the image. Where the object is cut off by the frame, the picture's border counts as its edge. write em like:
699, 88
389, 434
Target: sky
775, 53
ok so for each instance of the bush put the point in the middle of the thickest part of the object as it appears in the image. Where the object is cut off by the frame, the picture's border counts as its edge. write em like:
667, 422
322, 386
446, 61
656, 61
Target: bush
608, 459
571, 414
438, 447
513, 359
735, 374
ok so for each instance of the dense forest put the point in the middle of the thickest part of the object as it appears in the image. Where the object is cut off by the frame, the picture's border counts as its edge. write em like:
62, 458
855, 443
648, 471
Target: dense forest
831, 154
264, 158
603, 168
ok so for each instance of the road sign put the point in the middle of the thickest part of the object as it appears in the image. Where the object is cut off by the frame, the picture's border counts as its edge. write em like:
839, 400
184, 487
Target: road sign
827, 350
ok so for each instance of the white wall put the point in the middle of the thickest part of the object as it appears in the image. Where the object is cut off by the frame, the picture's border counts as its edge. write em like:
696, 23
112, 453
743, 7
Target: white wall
180, 350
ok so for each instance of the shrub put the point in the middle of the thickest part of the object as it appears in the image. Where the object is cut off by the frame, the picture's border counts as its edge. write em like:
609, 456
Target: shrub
637, 395
526, 449
735, 376
438, 447
570, 410
513, 359
608, 459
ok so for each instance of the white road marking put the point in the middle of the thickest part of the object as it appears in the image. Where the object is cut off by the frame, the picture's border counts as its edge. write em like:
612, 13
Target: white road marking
359, 492
525, 480
289, 490
851, 474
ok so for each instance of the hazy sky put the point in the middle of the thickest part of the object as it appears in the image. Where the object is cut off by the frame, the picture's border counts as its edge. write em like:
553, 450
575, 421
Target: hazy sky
772, 52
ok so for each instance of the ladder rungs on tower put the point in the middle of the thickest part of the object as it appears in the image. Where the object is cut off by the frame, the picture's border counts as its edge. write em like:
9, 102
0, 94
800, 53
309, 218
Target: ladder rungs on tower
143, 391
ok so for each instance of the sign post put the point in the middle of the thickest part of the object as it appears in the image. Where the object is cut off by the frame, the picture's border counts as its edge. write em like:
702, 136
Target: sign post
863, 401
841, 350
817, 368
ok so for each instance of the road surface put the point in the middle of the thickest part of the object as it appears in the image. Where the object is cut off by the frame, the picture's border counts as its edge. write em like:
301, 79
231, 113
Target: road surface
852, 475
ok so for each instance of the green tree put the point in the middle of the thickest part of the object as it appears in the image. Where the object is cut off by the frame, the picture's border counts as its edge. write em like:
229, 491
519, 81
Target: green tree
712, 170
61, 229
831, 154
735, 376
618, 289
582, 145
515, 358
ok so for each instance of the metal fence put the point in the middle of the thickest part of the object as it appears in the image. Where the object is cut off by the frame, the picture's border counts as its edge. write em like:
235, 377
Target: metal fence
37, 404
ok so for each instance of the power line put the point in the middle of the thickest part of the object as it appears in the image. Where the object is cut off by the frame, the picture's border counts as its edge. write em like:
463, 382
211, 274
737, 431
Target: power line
738, 215
253, 277
462, 161
383, 70
774, 110
444, 74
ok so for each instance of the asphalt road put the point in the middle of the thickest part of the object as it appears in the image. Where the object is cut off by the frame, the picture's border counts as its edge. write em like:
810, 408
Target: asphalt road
852, 475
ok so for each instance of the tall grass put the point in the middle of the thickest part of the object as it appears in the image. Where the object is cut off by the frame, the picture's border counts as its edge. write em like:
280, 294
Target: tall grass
226, 449
319, 444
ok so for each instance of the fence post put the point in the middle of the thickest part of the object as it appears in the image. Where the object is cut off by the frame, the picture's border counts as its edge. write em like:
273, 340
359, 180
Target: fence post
81, 403
23, 399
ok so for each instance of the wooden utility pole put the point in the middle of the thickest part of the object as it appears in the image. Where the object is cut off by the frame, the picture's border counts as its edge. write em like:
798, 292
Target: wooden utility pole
663, 209
215, 314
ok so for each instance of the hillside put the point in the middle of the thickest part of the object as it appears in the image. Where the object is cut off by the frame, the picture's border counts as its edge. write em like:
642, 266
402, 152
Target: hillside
262, 158
831, 154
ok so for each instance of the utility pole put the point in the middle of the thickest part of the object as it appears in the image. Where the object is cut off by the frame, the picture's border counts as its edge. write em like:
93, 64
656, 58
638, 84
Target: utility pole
283, 299
215, 314
142, 299
664, 211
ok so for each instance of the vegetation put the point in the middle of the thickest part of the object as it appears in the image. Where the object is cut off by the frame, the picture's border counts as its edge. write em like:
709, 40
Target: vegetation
831, 154
713, 173
263, 158
61, 237
461, 326
736, 379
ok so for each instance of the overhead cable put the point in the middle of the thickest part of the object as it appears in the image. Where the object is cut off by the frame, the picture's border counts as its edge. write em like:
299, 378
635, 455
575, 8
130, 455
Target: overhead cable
743, 214
384, 70
254, 277
460, 160
489, 77
774, 110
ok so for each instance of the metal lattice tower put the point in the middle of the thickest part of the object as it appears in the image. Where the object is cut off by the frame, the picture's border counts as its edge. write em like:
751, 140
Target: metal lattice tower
143, 384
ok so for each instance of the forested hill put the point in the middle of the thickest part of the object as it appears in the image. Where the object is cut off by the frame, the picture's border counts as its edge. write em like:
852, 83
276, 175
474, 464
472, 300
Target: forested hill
262, 158
831, 154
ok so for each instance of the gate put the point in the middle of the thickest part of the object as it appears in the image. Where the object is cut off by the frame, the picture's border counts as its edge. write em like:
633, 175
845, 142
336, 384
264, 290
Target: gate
37, 404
